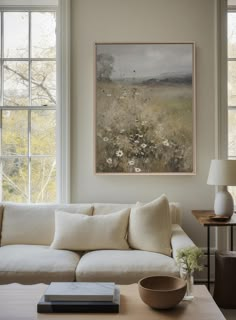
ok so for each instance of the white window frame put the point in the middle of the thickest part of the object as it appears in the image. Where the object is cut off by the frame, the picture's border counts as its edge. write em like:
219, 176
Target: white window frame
231, 8
63, 97
62, 9
220, 101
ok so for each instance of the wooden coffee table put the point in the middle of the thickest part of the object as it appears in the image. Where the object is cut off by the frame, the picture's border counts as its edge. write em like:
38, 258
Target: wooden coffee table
19, 302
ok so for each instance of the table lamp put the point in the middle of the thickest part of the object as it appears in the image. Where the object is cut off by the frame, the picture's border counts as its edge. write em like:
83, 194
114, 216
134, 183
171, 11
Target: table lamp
223, 173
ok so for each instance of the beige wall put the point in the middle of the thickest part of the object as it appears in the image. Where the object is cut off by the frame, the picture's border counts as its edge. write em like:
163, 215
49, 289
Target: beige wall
142, 21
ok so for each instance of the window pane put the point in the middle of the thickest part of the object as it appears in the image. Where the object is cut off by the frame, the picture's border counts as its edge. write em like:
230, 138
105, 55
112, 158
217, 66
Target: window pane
232, 191
1, 84
43, 34
16, 34
14, 175
14, 132
43, 132
43, 83
231, 83
232, 133
43, 179
16, 83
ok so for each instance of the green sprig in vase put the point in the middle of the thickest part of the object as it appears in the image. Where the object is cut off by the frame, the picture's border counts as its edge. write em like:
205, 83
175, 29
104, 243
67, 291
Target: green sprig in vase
189, 260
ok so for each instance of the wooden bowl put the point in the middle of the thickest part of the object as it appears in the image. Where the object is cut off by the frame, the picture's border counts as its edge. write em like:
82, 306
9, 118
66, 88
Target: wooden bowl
162, 292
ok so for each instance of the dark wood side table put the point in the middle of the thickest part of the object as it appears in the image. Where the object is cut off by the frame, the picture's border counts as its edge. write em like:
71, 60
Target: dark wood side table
204, 218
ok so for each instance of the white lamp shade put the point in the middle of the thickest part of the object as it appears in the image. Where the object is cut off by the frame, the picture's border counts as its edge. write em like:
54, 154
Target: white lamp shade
222, 173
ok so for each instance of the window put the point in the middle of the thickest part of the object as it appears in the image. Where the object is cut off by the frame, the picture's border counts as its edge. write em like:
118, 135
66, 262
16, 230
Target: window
28, 106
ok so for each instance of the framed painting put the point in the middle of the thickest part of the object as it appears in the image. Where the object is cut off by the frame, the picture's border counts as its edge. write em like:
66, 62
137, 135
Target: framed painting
145, 108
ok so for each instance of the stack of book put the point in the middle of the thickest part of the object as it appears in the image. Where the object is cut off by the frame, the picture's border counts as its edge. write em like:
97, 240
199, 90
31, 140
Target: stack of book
80, 297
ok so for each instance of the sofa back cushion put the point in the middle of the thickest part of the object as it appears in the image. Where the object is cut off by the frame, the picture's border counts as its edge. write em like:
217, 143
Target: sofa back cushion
106, 208
80, 232
34, 224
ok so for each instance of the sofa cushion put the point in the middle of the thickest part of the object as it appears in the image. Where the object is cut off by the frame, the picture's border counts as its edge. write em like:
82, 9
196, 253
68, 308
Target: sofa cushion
34, 224
80, 232
150, 227
123, 266
106, 208
29, 264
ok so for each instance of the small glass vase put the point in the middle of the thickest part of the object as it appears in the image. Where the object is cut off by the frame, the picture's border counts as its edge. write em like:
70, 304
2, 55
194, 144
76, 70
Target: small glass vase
188, 276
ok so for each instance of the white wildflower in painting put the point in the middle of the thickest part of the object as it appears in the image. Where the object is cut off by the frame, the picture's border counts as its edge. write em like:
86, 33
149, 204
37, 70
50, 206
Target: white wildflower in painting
109, 160
143, 123
119, 153
166, 143
136, 141
137, 169
122, 130
131, 162
105, 139
143, 145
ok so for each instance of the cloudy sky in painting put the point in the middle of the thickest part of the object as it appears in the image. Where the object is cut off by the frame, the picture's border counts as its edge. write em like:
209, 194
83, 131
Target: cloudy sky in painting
148, 60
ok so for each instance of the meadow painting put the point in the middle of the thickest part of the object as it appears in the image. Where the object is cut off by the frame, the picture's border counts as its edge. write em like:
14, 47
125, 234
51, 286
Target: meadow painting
145, 109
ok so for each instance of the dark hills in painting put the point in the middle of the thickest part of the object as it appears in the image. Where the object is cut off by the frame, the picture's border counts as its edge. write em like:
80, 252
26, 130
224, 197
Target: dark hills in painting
170, 79
165, 79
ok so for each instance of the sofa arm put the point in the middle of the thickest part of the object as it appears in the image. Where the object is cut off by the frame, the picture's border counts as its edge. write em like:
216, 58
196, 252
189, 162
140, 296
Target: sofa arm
179, 240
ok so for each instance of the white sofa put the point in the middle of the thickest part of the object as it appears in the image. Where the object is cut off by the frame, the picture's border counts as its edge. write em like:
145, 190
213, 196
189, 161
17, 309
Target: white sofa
26, 257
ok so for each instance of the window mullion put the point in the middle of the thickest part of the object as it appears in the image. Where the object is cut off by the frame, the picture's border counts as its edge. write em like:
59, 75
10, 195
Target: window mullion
27, 108
29, 155
27, 59
29, 113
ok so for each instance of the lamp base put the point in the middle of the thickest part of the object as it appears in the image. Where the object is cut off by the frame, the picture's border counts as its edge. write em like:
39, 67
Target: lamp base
224, 204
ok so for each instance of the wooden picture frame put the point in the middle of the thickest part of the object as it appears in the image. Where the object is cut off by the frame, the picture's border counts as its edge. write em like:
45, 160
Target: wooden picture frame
145, 109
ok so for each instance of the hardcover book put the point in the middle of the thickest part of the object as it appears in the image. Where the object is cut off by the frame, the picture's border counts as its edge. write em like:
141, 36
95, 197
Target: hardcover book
80, 306
80, 291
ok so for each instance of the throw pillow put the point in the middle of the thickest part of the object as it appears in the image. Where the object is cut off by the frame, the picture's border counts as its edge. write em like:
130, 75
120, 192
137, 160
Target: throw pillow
80, 232
150, 227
